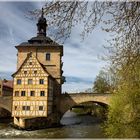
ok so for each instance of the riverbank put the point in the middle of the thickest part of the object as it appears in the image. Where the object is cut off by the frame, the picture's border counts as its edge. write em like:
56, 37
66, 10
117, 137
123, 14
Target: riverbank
94, 110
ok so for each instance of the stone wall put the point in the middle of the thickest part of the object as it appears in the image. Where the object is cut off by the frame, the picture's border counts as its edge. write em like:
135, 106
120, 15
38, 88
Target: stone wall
52, 120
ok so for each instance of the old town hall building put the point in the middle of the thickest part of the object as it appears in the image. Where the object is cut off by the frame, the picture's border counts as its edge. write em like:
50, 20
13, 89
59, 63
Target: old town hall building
38, 79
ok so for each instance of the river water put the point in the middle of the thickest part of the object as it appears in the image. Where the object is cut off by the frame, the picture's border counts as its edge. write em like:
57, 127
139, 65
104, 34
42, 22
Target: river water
74, 127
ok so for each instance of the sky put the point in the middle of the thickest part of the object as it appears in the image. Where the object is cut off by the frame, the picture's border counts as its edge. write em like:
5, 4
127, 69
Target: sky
82, 59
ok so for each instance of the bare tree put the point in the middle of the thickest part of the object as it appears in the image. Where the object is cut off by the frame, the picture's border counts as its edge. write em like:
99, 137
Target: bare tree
62, 16
120, 18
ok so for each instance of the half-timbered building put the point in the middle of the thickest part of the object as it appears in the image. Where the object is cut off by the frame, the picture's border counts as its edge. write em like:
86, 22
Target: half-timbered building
38, 79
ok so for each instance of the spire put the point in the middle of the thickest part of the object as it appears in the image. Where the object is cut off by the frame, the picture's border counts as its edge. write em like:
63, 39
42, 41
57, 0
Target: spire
41, 25
42, 14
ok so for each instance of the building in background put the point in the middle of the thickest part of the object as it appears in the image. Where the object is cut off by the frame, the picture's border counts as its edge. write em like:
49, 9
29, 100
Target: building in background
6, 87
38, 80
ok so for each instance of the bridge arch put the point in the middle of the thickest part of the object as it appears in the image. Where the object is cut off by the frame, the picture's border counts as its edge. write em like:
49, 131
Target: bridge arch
5, 107
70, 100
4, 113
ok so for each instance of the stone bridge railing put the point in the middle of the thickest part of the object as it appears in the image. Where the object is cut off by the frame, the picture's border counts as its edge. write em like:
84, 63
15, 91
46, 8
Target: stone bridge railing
6, 103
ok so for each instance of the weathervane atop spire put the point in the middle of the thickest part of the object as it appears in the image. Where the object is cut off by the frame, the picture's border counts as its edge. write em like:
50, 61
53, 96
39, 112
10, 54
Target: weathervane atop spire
41, 25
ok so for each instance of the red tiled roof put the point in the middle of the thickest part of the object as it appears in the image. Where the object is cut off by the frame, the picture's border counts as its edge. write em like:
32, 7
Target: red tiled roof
8, 83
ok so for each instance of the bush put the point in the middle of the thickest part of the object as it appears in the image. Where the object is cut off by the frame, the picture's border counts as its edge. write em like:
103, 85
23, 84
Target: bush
124, 113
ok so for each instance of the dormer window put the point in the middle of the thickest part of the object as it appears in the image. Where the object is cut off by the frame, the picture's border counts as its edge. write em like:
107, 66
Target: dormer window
48, 56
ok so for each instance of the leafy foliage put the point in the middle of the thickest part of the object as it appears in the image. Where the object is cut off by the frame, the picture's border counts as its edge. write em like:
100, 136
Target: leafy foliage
101, 84
105, 82
124, 113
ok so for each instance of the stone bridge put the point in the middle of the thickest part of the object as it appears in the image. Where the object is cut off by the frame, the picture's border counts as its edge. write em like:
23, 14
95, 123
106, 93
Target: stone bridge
69, 100
6, 103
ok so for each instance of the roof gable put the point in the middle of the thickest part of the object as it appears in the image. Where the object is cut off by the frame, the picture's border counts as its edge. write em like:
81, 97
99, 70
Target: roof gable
30, 64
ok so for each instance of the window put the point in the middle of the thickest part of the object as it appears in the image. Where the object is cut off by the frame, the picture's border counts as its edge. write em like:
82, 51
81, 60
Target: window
18, 81
25, 107
22, 93
25, 72
41, 81
15, 107
30, 63
42, 93
40, 107
16, 93
35, 72
48, 56
32, 93
30, 81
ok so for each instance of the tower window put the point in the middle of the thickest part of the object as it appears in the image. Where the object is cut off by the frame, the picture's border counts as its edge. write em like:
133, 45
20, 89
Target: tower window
48, 56
16, 93
22, 93
18, 81
32, 93
40, 107
42, 93
25, 107
41, 81
30, 81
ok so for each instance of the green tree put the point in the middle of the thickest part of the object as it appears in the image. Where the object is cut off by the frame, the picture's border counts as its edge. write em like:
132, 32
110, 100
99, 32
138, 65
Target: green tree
124, 112
101, 83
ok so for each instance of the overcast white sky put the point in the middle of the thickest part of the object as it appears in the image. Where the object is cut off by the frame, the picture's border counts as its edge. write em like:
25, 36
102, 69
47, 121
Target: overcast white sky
81, 59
